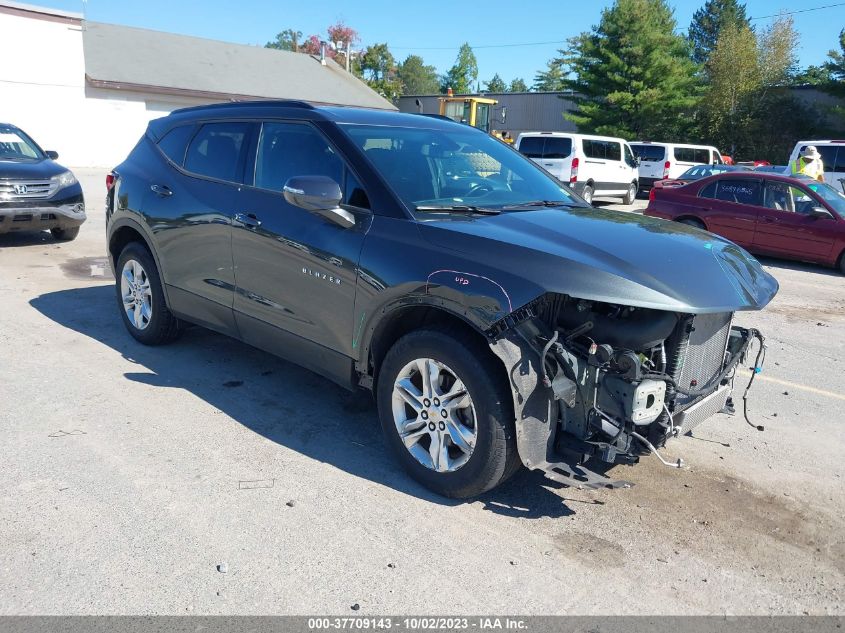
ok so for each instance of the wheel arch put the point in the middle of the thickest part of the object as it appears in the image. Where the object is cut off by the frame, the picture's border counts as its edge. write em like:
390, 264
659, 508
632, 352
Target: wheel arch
402, 319
124, 232
689, 216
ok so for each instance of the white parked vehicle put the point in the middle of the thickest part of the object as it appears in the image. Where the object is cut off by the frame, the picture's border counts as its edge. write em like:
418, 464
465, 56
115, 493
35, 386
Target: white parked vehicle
659, 161
591, 165
833, 158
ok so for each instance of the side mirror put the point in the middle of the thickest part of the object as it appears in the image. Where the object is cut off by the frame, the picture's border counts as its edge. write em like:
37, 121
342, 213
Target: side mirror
821, 213
320, 195
52, 155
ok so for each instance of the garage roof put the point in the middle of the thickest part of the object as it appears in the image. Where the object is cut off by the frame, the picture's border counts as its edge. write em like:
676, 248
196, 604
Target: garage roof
122, 57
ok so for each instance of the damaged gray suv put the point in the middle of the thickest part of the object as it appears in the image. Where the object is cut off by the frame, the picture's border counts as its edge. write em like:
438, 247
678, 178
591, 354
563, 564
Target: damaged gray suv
499, 320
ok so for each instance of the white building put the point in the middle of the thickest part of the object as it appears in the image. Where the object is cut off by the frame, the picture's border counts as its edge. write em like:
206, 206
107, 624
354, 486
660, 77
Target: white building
87, 89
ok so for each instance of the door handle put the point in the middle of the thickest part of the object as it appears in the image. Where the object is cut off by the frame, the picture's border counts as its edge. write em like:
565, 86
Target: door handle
162, 191
247, 220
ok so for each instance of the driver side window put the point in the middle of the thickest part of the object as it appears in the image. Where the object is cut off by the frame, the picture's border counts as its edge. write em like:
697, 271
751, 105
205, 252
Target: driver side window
286, 150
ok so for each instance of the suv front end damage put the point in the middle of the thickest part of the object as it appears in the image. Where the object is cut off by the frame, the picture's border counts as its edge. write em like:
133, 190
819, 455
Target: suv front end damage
597, 384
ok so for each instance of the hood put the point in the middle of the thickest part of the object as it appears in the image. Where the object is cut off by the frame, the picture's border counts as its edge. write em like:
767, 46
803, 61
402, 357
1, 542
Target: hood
609, 256
29, 169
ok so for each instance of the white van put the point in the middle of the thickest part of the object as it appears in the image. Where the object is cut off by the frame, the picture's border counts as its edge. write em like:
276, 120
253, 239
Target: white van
833, 158
591, 165
670, 160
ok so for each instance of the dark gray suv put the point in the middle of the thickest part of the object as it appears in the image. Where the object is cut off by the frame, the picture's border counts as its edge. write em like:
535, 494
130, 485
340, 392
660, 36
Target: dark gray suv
498, 319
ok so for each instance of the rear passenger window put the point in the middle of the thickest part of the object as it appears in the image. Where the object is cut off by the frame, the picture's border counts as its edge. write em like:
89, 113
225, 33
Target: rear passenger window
173, 143
594, 149
684, 154
709, 191
613, 151
216, 149
286, 150
739, 191
701, 156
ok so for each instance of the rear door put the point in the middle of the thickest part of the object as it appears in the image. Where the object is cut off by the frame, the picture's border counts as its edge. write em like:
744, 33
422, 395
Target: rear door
785, 226
552, 153
652, 158
190, 208
730, 207
686, 157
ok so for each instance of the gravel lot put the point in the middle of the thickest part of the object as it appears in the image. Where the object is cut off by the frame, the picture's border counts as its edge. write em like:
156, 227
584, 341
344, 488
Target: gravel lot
209, 477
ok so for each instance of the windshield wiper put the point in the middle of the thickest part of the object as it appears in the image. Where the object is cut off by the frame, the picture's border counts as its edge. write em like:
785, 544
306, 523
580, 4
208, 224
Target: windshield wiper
466, 208
542, 203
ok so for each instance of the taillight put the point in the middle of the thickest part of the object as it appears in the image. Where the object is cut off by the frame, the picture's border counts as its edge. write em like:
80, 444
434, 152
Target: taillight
666, 167
109, 181
573, 174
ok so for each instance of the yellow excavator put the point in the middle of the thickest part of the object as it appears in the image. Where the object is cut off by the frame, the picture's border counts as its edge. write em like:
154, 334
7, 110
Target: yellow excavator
474, 111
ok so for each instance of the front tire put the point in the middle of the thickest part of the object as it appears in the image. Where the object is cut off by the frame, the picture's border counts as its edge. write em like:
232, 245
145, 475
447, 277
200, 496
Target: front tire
446, 414
631, 195
140, 297
65, 235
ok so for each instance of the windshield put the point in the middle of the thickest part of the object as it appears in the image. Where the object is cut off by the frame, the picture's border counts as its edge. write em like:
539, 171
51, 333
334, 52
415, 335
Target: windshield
456, 167
15, 145
830, 195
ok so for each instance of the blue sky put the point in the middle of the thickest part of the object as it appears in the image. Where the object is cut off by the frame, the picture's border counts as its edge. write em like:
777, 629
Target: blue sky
433, 30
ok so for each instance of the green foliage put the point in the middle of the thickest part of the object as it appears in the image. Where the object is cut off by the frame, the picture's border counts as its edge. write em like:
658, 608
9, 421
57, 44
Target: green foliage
747, 109
632, 74
836, 67
378, 67
708, 22
497, 84
463, 74
287, 40
813, 76
518, 85
417, 78
551, 79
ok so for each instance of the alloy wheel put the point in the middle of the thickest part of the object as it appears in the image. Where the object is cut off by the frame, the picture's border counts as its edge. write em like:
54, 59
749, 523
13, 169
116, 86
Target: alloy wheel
434, 415
136, 294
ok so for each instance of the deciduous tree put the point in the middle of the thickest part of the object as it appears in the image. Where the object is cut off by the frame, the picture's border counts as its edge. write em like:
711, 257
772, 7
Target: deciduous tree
463, 74
416, 77
287, 40
518, 85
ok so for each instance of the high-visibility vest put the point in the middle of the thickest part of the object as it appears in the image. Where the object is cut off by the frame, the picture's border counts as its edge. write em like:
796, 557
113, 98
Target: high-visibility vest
812, 168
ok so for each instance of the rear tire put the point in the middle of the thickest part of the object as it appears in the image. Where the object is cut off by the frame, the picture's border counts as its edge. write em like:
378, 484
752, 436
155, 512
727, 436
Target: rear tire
631, 195
139, 292
485, 454
65, 235
693, 222
587, 194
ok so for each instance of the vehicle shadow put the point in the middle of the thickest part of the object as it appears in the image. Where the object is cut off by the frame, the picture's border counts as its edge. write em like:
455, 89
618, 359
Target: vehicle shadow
787, 264
276, 399
26, 238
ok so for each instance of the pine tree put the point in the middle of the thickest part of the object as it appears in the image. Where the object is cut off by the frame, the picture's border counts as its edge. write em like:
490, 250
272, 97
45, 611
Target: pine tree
632, 74
497, 84
416, 77
551, 79
709, 20
518, 85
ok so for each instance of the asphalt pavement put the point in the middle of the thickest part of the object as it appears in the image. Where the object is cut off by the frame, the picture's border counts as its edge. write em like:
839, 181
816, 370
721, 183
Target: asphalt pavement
209, 477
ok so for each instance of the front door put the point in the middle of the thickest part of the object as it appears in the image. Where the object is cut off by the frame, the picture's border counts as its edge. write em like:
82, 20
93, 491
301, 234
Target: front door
785, 226
295, 272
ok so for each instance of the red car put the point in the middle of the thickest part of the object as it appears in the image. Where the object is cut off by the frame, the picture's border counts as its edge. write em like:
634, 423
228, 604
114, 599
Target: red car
765, 213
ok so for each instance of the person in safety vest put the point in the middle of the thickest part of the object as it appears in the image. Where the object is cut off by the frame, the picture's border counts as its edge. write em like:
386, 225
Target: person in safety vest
809, 163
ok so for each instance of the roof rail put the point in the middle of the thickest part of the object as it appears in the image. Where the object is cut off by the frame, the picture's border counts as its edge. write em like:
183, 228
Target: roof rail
435, 116
264, 103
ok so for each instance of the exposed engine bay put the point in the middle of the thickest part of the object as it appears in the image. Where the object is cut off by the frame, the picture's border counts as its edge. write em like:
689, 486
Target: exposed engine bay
597, 384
